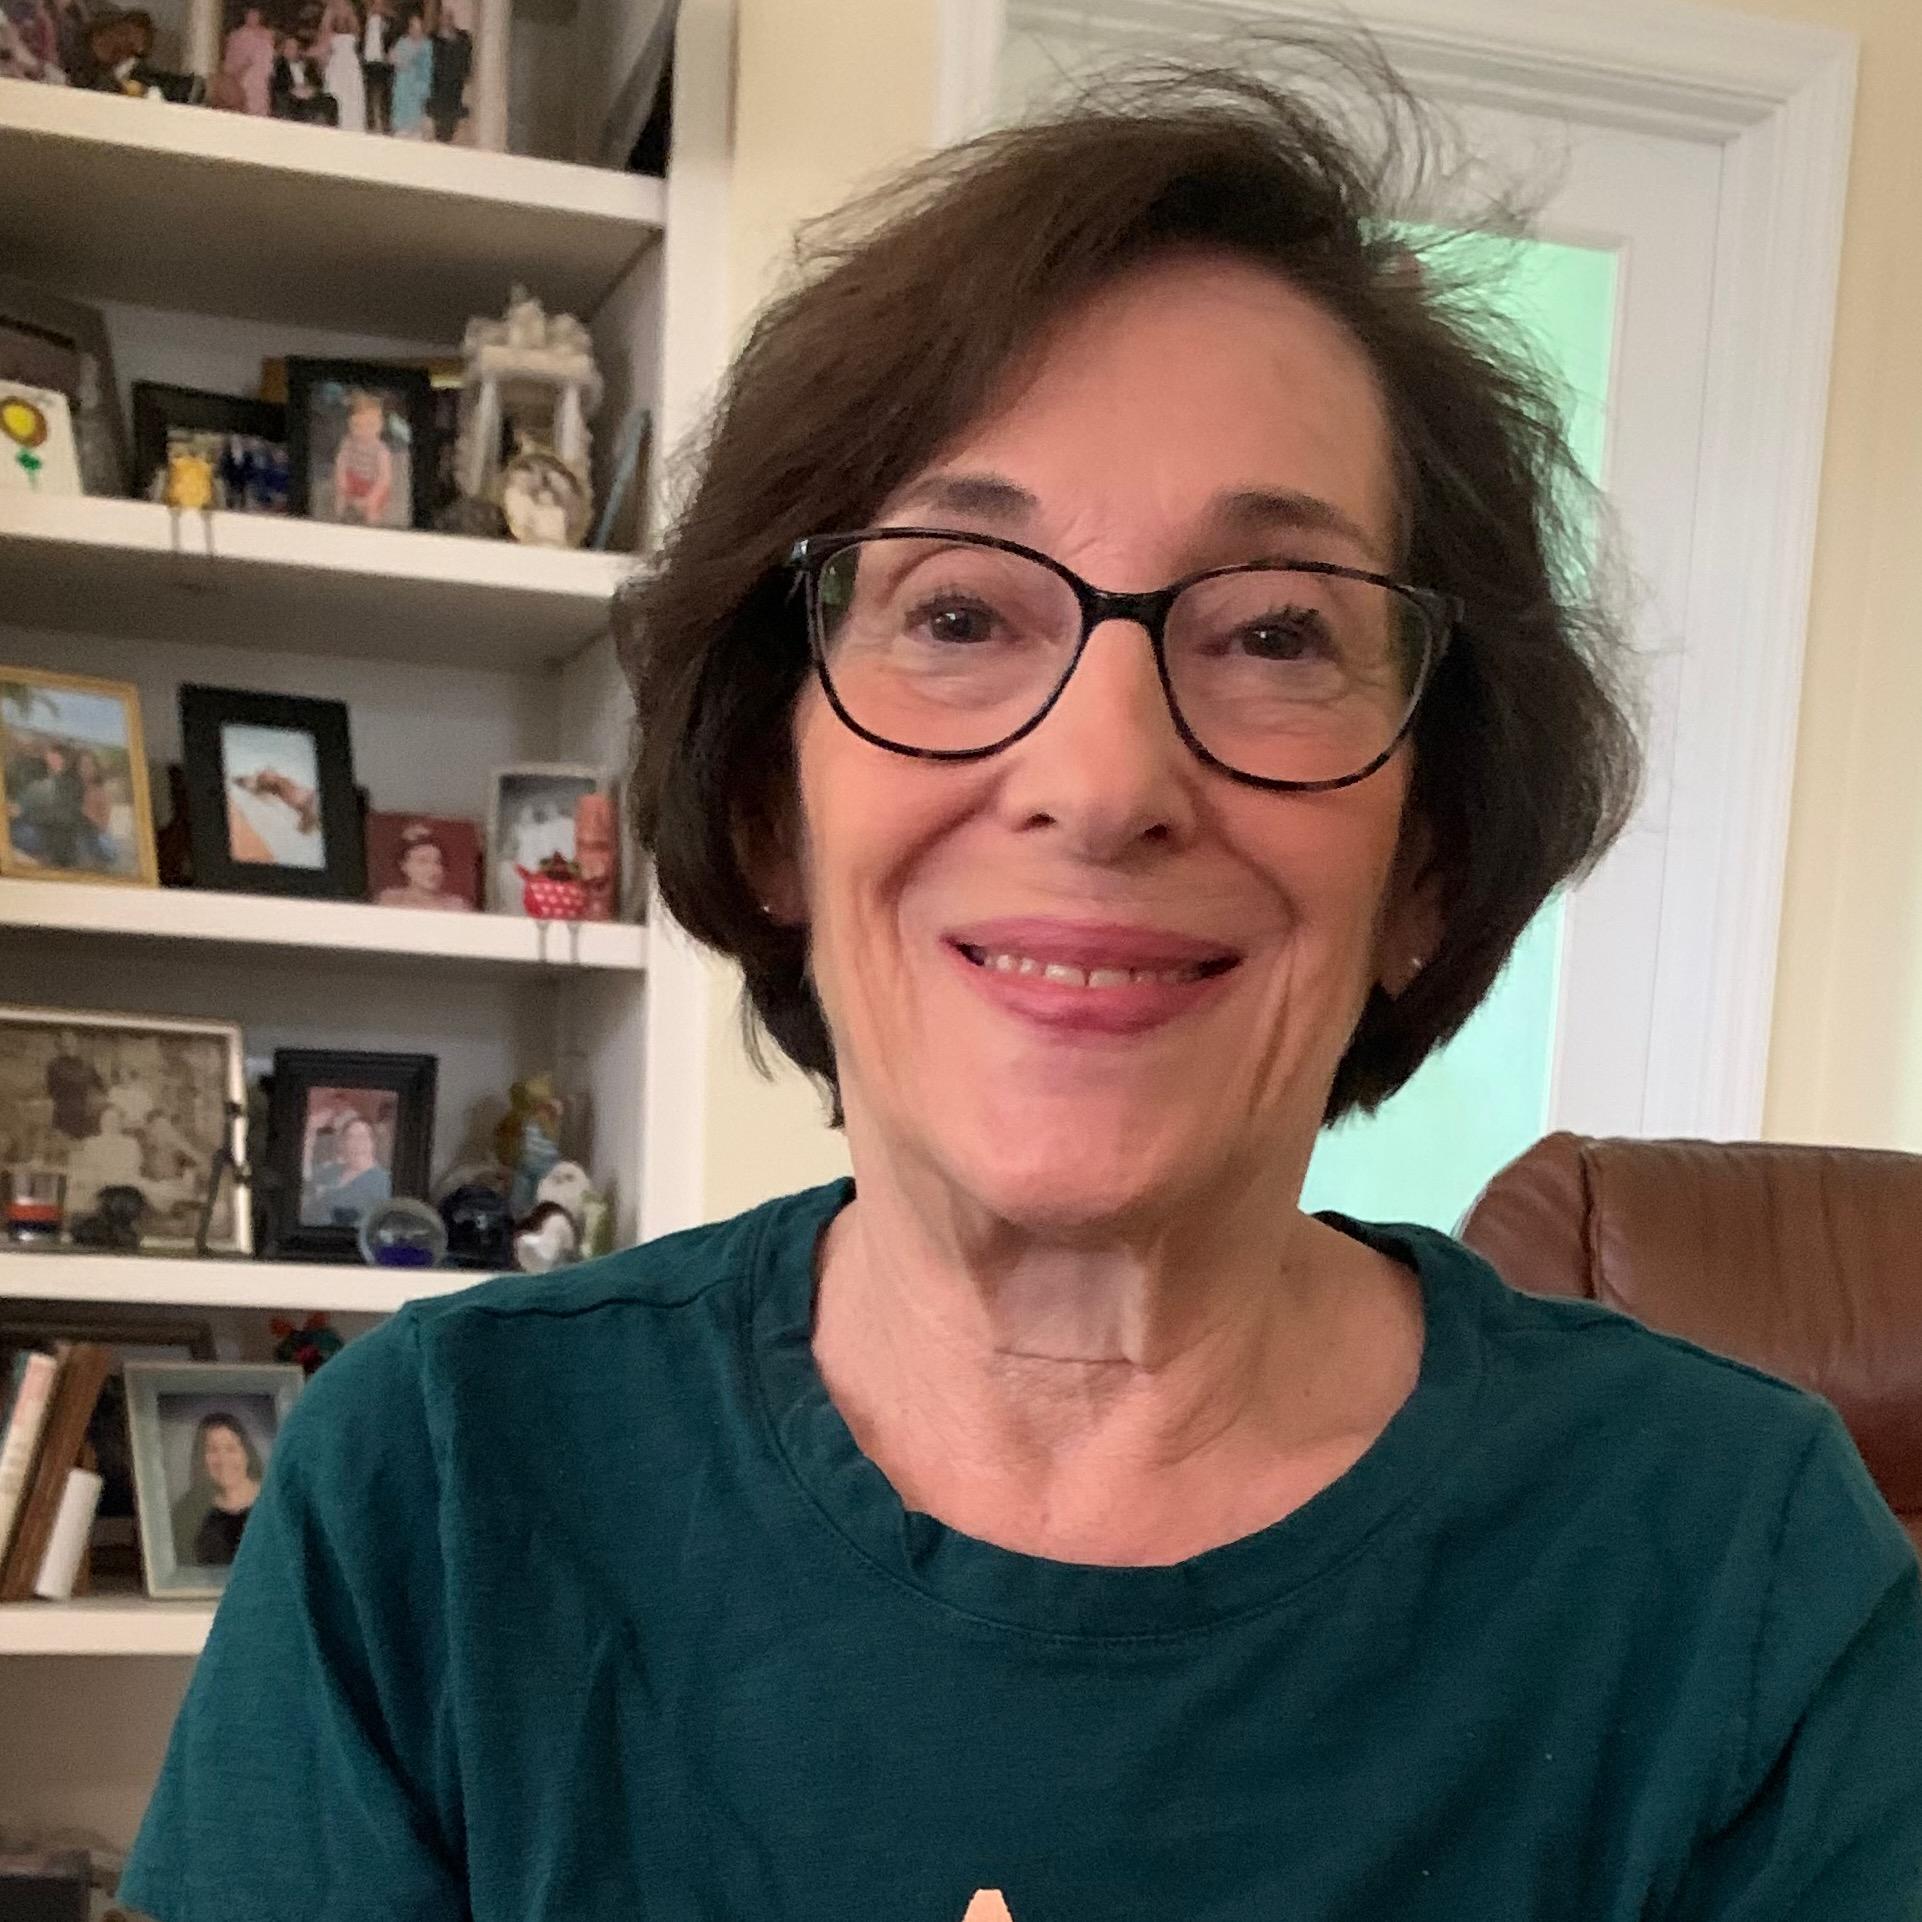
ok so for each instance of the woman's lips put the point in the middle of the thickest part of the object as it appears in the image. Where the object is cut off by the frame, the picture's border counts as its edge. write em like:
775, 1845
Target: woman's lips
1089, 978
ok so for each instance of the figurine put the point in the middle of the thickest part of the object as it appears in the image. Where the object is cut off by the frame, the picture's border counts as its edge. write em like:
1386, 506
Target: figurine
534, 375
527, 1141
546, 1240
115, 1221
553, 891
567, 1186
480, 1231
312, 1343
596, 853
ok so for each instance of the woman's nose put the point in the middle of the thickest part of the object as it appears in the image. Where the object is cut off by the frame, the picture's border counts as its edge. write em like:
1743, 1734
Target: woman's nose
1106, 769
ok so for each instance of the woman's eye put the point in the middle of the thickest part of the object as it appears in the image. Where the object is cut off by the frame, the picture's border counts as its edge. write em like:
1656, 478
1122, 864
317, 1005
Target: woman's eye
1286, 636
961, 621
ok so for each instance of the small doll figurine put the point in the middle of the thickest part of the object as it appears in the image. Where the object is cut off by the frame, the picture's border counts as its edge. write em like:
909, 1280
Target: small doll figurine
594, 852
527, 1142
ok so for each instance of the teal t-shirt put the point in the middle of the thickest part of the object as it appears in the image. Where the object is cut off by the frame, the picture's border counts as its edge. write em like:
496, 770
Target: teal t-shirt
572, 1599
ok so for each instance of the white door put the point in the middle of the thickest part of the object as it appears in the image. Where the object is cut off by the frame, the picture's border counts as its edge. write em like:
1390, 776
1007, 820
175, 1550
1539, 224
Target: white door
1589, 1028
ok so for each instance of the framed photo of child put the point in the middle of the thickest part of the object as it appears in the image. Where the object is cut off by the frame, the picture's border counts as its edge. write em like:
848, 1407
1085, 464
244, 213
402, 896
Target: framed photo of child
360, 442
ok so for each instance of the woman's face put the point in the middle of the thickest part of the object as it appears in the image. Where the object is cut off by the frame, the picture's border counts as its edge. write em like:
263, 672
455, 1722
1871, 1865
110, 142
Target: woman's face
423, 868
1158, 413
357, 1146
225, 1457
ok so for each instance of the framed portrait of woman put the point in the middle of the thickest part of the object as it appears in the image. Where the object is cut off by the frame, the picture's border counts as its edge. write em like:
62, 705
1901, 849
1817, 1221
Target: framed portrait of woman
202, 1434
347, 1131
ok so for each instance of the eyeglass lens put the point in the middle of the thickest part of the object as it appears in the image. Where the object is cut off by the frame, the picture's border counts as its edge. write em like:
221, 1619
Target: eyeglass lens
942, 645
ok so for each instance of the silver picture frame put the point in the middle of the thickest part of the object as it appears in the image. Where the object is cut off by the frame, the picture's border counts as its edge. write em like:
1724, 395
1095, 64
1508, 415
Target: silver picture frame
168, 1404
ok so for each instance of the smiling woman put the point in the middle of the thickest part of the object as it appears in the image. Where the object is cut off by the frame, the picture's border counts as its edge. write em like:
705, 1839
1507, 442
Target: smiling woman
1111, 692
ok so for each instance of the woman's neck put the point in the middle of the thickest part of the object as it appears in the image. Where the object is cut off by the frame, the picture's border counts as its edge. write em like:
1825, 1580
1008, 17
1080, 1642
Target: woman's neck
1137, 1396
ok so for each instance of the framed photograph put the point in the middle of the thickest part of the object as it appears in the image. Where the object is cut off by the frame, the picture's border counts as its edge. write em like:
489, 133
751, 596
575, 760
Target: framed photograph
360, 442
271, 807
241, 443
128, 1100
202, 1436
133, 1336
423, 861
346, 1131
532, 816
38, 453
74, 801
46, 341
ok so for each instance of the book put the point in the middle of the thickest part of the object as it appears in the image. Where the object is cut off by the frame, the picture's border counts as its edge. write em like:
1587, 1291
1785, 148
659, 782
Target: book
34, 1374
83, 1373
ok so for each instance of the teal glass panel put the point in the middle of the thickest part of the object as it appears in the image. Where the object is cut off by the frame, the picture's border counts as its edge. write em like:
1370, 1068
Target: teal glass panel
1476, 1104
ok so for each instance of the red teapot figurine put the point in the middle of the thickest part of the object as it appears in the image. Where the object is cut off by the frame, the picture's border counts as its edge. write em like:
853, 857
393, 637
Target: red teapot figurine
554, 891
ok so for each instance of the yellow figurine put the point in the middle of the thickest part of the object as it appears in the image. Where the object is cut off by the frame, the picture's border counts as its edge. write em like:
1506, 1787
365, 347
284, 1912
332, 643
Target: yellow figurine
190, 481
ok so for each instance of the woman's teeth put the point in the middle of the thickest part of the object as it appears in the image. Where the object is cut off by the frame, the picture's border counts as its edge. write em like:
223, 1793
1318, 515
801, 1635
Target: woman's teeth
1070, 977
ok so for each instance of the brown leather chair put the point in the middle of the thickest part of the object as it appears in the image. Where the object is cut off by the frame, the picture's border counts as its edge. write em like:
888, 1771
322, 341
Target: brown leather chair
1806, 1262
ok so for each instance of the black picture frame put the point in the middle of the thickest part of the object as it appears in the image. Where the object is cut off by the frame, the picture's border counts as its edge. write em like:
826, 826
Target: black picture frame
159, 407
407, 1159
407, 391
49, 341
209, 720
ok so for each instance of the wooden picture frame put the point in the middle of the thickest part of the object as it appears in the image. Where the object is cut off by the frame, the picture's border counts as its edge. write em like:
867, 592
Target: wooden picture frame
62, 1071
49, 341
338, 470
375, 1115
250, 1403
271, 803
61, 820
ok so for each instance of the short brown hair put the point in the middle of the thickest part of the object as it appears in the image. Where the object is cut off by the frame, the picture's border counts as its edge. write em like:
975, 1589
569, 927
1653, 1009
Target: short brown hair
906, 318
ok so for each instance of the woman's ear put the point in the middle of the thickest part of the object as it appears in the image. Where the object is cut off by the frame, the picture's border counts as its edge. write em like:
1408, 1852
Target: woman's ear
773, 869
1411, 921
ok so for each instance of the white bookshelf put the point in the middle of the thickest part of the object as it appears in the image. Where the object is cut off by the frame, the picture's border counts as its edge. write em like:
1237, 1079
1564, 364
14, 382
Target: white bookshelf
104, 1625
184, 207
342, 929
168, 1281
140, 570
218, 241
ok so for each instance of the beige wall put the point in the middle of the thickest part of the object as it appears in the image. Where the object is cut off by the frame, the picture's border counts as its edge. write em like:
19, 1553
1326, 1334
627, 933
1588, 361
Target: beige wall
832, 90
1847, 1057
829, 93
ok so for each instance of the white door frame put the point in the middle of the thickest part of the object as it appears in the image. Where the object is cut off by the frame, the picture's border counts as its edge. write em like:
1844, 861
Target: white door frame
1777, 99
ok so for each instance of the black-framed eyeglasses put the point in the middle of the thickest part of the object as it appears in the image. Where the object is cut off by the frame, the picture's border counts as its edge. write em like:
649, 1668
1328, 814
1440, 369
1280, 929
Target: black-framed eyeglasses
951, 646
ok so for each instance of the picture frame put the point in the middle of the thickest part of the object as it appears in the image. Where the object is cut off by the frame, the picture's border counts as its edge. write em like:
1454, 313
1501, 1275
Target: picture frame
360, 442
202, 1435
75, 800
347, 1130
153, 1102
134, 1335
47, 340
243, 442
423, 861
530, 815
271, 803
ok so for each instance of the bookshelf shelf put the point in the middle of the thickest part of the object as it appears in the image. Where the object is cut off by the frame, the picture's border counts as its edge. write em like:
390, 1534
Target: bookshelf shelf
169, 1281
104, 1625
184, 207
266, 581
499, 942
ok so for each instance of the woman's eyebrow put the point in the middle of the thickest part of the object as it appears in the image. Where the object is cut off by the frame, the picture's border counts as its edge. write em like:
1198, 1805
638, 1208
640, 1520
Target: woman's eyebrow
981, 496
1270, 510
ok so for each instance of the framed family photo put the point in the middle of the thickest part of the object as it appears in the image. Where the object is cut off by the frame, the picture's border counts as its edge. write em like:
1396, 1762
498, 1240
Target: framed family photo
243, 444
346, 1132
74, 799
360, 442
271, 806
202, 1435
147, 1102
